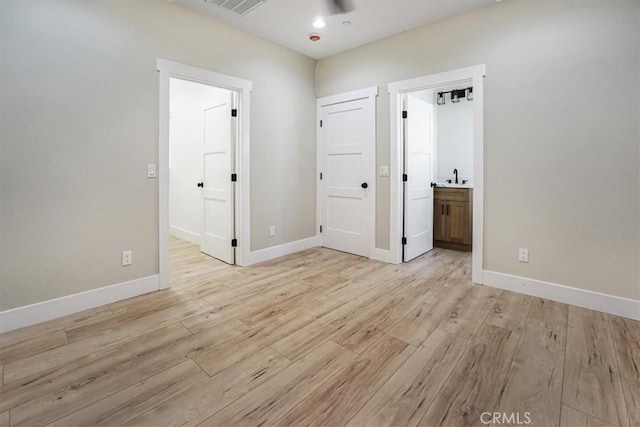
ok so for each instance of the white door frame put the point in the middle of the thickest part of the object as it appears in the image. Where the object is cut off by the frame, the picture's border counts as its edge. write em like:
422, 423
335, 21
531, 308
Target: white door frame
168, 69
475, 75
369, 94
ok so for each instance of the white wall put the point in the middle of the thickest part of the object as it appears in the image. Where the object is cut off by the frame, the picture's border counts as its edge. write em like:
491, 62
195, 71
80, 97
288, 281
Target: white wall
186, 131
561, 139
454, 141
79, 104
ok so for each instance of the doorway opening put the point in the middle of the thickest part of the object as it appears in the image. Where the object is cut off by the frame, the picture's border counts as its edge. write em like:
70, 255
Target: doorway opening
438, 169
437, 149
202, 145
203, 163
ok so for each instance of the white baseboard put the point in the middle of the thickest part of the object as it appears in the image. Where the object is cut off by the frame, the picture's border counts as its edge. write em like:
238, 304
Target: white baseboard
383, 255
183, 234
611, 304
52, 309
281, 250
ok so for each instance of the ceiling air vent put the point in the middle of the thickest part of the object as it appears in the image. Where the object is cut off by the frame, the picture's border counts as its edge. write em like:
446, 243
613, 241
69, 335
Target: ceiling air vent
240, 7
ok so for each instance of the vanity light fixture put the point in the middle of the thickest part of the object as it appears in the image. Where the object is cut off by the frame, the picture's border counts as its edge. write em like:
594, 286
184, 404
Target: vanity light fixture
456, 95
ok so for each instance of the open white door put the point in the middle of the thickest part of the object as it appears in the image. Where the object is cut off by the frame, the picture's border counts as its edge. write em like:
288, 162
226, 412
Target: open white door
418, 194
347, 143
217, 188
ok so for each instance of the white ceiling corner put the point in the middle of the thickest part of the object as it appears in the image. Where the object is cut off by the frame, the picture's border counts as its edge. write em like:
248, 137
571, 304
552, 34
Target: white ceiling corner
288, 22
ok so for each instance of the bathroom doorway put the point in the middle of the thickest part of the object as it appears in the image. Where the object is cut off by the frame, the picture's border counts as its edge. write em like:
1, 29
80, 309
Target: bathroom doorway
437, 148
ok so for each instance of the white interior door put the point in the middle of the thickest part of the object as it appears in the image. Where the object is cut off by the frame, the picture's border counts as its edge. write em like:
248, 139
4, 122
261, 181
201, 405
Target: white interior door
418, 194
347, 139
217, 188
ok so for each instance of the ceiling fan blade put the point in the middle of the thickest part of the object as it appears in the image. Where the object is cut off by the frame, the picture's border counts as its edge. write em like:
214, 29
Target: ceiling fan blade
340, 6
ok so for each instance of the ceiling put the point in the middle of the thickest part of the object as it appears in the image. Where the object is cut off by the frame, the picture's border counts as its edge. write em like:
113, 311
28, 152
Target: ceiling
289, 22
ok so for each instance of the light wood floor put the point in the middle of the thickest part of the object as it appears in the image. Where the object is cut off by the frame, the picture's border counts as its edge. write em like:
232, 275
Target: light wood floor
323, 338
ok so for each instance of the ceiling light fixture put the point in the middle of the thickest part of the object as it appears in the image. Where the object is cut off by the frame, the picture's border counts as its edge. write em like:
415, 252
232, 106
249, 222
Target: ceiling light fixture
319, 23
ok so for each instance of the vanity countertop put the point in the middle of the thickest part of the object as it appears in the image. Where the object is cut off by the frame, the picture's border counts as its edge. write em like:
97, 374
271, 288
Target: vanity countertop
447, 185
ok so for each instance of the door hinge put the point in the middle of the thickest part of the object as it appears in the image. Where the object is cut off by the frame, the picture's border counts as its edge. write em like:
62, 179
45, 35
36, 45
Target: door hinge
404, 114
234, 243
234, 177
321, 229
320, 123
320, 176
404, 240
234, 112
405, 178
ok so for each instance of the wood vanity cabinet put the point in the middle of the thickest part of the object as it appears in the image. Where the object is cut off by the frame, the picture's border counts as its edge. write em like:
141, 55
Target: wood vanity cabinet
452, 218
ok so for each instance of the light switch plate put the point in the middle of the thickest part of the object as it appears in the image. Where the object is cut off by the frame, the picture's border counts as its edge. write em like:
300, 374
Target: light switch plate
384, 170
151, 171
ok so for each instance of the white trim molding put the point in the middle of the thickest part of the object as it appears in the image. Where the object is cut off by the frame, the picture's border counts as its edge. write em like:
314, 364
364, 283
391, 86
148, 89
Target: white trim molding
624, 307
52, 309
267, 254
475, 76
383, 255
370, 94
168, 69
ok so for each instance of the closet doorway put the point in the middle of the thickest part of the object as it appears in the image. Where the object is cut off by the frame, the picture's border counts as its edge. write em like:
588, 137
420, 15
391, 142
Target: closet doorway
216, 179
203, 129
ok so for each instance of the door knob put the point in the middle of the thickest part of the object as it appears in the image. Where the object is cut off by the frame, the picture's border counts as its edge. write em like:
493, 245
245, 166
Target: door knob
201, 184
364, 185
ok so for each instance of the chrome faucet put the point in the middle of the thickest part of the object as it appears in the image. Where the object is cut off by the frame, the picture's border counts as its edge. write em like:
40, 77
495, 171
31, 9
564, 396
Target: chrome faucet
455, 172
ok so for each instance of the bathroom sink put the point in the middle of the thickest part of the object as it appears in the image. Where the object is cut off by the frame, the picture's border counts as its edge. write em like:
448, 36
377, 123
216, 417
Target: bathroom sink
447, 185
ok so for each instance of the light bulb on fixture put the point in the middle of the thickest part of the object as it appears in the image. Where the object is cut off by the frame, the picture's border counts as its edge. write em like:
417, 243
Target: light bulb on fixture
470, 94
440, 100
319, 23
455, 97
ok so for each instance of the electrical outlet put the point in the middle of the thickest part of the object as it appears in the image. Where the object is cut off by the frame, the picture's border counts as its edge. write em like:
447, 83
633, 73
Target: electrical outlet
127, 258
272, 230
523, 255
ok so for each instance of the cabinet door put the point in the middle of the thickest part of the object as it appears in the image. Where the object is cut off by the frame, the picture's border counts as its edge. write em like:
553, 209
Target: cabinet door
439, 220
458, 223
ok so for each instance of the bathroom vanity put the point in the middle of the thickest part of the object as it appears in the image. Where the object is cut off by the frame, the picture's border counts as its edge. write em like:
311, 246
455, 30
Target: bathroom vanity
452, 216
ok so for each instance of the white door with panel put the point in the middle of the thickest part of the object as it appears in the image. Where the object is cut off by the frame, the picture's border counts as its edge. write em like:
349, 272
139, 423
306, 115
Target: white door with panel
347, 187
217, 187
418, 191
